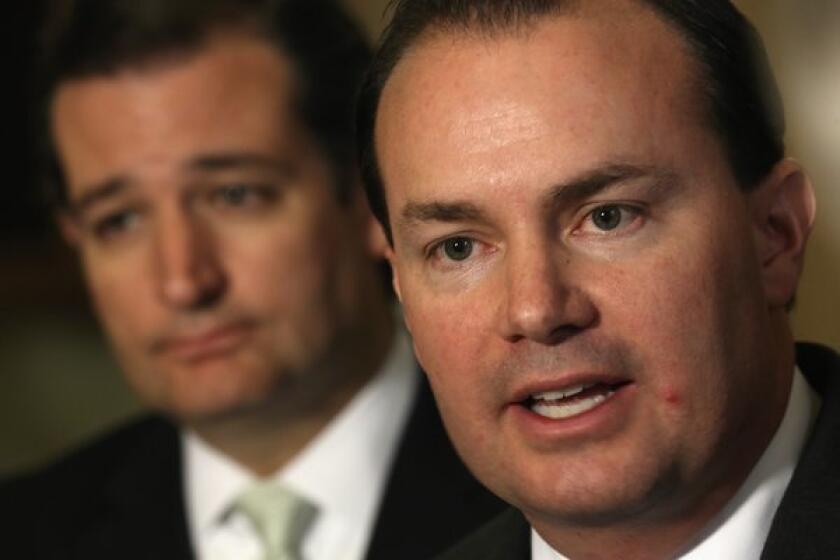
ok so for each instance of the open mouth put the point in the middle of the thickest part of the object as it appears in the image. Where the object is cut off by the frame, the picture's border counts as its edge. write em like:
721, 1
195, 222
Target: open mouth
571, 401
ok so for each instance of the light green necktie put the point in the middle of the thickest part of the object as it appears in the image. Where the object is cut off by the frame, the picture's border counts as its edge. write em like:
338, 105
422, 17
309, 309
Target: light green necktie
280, 517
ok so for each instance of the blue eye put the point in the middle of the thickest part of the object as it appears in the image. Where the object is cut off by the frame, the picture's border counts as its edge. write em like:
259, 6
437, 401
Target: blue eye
458, 248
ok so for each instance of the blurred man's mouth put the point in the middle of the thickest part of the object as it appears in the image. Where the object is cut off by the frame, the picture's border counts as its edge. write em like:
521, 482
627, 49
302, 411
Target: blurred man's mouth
212, 342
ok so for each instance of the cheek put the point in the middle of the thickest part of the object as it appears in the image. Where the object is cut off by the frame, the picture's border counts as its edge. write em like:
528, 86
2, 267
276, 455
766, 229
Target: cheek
438, 334
278, 266
123, 298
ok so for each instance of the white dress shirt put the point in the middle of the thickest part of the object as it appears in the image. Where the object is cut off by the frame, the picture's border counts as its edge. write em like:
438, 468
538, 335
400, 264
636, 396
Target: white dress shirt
741, 528
343, 471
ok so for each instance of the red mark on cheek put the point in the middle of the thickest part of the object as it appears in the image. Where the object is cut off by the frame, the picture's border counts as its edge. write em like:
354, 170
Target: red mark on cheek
672, 396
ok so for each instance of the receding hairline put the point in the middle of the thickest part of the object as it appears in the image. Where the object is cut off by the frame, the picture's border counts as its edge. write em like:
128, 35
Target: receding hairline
694, 89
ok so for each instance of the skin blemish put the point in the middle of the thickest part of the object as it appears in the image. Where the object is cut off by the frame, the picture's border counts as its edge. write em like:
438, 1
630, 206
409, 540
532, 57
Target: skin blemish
672, 396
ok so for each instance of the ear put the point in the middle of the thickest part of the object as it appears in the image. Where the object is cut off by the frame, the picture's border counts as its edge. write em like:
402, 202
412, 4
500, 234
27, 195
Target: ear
377, 243
374, 236
783, 208
390, 256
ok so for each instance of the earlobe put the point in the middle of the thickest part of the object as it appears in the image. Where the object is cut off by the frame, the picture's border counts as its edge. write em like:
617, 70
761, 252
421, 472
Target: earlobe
784, 208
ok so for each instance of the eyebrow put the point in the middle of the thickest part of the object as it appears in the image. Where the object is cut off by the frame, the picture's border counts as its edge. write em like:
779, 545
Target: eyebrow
440, 212
97, 193
238, 160
605, 178
561, 195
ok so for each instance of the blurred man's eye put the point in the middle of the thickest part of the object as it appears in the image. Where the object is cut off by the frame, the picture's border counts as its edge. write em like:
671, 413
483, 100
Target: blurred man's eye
115, 224
242, 196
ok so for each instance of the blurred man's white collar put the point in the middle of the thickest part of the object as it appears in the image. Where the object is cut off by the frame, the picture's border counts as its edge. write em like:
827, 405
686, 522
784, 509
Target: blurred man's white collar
343, 471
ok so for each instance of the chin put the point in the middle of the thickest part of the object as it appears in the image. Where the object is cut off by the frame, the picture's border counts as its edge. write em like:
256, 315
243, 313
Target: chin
591, 493
203, 408
207, 393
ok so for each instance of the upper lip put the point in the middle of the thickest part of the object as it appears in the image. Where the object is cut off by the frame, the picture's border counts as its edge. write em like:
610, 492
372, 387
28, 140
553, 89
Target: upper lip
527, 389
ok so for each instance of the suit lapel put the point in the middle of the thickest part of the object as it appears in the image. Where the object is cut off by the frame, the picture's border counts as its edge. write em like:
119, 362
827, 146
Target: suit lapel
430, 500
807, 521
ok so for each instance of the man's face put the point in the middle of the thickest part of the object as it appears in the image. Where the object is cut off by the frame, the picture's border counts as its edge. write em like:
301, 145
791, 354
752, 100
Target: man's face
218, 257
577, 267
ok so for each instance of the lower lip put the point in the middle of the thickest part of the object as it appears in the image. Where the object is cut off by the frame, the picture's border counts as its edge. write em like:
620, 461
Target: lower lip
604, 419
215, 344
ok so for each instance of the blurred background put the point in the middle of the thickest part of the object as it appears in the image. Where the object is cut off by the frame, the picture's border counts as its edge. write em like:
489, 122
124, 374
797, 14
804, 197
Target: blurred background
58, 381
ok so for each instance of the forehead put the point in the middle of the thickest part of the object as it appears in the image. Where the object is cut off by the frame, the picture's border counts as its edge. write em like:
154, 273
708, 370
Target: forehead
233, 94
600, 84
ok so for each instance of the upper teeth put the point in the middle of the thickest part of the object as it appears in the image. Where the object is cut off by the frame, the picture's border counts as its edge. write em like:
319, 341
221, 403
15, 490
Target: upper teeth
562, 394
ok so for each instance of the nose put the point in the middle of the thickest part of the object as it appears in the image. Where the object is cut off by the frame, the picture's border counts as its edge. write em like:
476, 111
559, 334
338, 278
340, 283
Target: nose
543, 303
189, 272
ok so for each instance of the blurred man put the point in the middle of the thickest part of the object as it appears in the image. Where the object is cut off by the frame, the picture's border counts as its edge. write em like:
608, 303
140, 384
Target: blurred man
204, 170
596, 239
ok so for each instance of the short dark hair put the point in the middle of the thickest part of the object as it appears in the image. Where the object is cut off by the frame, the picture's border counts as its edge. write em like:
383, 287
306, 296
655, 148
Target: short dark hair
329, 52
744, 103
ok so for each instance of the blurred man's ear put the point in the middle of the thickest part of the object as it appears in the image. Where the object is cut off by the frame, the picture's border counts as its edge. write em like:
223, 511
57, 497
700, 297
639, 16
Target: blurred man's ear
784, 208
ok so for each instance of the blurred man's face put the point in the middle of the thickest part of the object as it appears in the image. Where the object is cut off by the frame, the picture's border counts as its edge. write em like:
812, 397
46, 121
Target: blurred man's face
219, 259
578, 267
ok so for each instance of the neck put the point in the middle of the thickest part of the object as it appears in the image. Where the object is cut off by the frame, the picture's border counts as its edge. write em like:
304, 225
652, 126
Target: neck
264, 437
641, 540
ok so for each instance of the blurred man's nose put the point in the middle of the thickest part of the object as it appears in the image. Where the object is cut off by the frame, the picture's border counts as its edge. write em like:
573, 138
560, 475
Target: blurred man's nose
189, 271
543, 303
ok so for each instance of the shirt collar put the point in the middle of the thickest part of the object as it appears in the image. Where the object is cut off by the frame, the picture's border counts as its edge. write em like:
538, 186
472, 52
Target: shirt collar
741, 528
342, 471
344, 468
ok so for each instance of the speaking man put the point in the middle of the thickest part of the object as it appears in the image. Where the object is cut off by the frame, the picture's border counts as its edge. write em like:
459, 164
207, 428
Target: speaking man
204, 169
596, 239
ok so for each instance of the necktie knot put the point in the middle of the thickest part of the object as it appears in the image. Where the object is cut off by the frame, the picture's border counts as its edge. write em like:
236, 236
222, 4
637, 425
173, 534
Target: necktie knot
279, 516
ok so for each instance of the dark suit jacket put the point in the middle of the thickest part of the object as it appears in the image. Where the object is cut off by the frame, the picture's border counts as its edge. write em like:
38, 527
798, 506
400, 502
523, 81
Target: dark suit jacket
123, 498
807, 523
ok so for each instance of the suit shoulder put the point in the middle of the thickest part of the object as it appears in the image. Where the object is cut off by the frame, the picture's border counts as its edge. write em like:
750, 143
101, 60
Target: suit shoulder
88, 466
505, 537
821, 366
